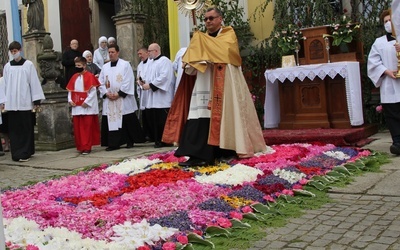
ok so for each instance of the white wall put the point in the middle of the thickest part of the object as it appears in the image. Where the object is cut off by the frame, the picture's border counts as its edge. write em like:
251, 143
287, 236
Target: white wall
54, 22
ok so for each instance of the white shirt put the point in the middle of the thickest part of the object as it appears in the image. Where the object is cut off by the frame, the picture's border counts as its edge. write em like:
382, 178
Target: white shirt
161, 75
382, 57
22, 86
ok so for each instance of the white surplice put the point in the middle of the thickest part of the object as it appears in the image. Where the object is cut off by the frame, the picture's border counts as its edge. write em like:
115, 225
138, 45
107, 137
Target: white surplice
22, 86
121, 78
142, 71
396, 17
382, 57
177, 66
161, 75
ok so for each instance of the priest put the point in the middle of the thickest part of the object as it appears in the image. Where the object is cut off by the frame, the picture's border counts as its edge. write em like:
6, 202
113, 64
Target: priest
23, 94
120, 124
222, 121
160, 87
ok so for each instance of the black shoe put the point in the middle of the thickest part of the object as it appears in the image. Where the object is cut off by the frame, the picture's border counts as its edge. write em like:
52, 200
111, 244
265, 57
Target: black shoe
395, 149
111, 149
194, 162
160, 145
227, 159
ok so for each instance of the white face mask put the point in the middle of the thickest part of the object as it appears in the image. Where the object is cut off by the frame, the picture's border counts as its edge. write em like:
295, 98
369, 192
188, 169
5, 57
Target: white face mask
16, 55
388, 27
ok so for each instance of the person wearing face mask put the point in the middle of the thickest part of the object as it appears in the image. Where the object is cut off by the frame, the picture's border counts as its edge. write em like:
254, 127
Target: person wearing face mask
23, 94
82, 96
382, 69
100, 55
90, 66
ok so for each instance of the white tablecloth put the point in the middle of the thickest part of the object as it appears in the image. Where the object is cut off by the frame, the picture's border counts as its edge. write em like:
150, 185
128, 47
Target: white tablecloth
350, 71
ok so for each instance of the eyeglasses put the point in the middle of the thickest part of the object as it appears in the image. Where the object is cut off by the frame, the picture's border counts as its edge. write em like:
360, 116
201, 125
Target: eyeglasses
211, 18
150, 50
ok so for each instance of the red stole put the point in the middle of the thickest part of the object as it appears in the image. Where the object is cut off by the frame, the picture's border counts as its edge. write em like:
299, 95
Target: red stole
217, 104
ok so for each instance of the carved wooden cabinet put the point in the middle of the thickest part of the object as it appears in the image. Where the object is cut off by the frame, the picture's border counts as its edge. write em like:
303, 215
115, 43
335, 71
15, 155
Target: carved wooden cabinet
313, 104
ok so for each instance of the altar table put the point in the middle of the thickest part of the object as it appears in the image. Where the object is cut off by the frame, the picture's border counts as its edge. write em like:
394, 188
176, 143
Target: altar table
315, 75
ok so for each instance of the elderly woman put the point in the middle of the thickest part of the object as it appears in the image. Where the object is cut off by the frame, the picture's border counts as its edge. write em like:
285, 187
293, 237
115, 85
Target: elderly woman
101, 56
90, 66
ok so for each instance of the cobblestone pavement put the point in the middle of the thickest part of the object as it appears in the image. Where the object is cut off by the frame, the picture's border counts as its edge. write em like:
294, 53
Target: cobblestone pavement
351, 222
16, 176
363, 215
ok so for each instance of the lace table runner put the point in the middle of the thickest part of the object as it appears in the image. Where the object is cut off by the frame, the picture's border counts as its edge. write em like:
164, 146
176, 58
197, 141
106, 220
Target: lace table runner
350, 71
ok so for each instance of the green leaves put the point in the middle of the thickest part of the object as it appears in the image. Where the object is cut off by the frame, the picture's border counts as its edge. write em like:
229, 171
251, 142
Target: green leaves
195, 238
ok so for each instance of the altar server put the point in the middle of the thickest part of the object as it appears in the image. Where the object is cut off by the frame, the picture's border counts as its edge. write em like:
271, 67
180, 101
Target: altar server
120, 124
23, 94
82, 96
160, 86
382, 69
142, 74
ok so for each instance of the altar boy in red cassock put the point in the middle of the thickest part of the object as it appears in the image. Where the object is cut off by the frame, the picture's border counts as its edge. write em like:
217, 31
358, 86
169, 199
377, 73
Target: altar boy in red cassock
82, 96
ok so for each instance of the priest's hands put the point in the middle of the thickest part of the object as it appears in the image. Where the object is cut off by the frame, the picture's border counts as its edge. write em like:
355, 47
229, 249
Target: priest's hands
72, 104
397, 47
146, 86
112, 96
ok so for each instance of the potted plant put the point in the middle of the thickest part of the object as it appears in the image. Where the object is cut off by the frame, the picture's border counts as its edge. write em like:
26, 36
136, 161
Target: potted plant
343, 31
289, 39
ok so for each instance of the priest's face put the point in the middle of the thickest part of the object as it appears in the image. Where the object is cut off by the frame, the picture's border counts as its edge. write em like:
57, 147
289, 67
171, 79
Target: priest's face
152, 52
114, 54
213, 21
143, 54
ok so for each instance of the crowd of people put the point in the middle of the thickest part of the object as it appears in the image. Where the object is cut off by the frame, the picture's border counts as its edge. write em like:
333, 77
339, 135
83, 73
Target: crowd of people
199, 102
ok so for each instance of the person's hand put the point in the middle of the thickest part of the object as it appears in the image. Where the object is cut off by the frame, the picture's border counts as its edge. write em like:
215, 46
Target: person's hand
397, 47
112, 96
72, 104
2, 107
146, 86
84, 105
391, 73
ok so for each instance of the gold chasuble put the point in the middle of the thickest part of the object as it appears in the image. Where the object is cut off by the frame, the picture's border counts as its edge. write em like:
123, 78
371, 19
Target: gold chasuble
234, 123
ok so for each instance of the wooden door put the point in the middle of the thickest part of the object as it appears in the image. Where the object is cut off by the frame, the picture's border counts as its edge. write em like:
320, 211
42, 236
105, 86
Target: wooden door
75, 23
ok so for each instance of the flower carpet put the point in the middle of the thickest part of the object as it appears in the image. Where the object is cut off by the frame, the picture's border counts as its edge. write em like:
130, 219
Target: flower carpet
152, 203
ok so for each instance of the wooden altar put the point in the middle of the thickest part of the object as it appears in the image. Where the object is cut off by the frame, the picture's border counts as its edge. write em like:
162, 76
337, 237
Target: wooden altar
323, 92
324, 95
